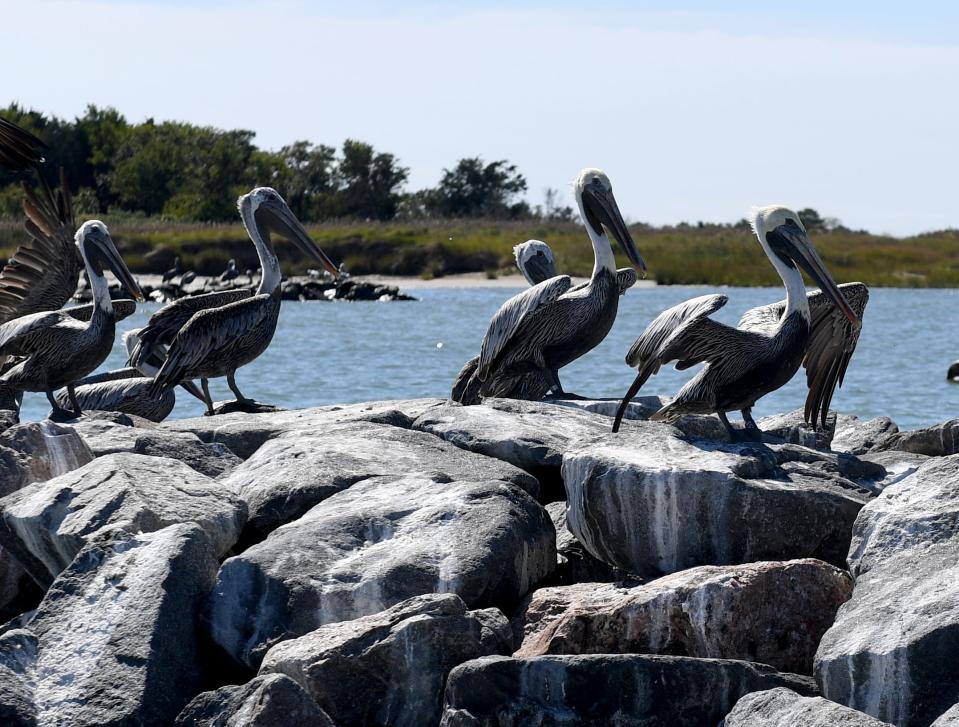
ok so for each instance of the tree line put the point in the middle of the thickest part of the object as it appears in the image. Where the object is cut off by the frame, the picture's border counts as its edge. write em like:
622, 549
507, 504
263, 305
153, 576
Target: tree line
195, 173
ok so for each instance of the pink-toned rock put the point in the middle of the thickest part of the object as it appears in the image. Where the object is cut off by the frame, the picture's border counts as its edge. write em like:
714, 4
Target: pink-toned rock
770, 612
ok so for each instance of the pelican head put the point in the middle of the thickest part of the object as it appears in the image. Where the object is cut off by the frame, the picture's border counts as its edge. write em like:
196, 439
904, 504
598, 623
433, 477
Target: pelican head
535, 261
97, 248
594, 193
783, 236
264, 207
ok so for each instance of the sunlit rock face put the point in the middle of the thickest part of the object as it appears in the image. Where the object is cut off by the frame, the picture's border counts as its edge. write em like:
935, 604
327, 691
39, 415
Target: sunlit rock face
38, 451
375, 544
417, 643
601, 689
769, 612
114, 640
892, 650
782, 707
652, 502
44, 525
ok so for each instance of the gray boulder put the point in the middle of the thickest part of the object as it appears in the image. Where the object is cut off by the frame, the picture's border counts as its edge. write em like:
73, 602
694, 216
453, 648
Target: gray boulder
939, 440
574, 564
949, 718
891, 652
858, 437
416, 643
114, 640
782, 707
896, 467
791, 428
45, 524
38, 451
108, 437
606, 689
244, 433
651, 502
377, 543
293, 472
270, 700
774, 613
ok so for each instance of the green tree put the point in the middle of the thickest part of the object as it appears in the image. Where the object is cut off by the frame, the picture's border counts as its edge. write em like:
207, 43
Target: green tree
369, 182
475, 189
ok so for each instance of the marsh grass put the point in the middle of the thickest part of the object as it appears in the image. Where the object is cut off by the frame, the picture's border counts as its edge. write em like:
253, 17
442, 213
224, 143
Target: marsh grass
708, 255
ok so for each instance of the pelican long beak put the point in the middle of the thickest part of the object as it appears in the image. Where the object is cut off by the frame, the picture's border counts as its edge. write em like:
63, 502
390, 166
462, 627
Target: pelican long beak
601, 205
111, 256
280, 219
795, 243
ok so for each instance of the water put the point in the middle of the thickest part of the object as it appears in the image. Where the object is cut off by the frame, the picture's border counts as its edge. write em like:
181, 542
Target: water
326, 353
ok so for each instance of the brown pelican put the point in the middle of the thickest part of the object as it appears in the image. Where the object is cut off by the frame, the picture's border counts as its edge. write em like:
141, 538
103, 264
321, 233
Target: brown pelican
534, 259
127, 390
230, 273
57, 348
768, 345
213, 335
537, 332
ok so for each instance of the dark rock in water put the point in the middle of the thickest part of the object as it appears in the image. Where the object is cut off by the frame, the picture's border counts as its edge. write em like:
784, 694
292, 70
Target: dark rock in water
243, 434
38, 451
574, 564
949, 718
269, 700
377, 543
416, 643
858, 437
531, 435
608, 689
105, 437
361, 290
114, 640
293, 472
891, 652
782, 707
652, 503
939, 440
45, 524
774, 613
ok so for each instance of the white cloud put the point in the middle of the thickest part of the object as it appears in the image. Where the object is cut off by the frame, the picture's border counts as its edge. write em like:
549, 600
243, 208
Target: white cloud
690, 123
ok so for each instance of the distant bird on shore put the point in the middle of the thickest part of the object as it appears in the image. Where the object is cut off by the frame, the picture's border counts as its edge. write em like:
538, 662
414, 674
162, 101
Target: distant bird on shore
172, 272
188, 277
214, 334
230, 273
58, 349
127, 390
763, 352
542, 329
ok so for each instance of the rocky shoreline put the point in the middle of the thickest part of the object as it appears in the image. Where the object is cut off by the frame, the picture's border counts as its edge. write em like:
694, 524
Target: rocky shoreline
419, 562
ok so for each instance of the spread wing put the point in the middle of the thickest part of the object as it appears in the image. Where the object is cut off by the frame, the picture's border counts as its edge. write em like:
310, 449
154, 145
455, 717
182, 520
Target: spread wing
506, 321
42, 274
19, 149
122, 308
832, 342
166, 323
206, 333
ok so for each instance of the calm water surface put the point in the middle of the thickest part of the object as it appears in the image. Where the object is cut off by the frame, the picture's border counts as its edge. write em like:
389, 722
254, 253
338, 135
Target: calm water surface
326, 353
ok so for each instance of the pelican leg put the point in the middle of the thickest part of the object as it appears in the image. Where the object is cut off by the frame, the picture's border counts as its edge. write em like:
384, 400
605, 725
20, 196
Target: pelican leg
59, 414
205, 384
231, 380
748, 419
242, 403
557, 392
749, 434
71, 392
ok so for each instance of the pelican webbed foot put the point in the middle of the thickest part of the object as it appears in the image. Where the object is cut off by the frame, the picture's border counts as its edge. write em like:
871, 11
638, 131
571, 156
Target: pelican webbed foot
247, 406
751, 433
60, 415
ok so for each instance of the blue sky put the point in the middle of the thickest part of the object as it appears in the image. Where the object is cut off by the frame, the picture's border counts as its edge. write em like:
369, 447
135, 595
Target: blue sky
697, 110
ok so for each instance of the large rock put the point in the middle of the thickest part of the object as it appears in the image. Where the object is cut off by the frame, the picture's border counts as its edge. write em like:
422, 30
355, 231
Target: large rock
791, 427
531, 435
243, 433
114, 640
782, 707
651, 502
377, 543
574, 564
45, 524
38, 451
897, 466
271, 700
292, 473
608, 689
949, 718
774, 613
939, 440
110, 437
858, 437
891, 652
417, 643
